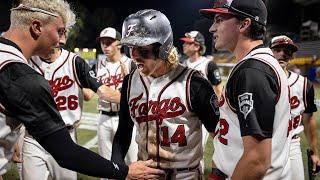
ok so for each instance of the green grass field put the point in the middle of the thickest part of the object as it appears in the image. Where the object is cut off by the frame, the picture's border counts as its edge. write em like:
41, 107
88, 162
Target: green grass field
85, 135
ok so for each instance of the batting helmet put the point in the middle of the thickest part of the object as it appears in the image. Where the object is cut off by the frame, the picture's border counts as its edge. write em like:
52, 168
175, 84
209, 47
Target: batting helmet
146, 27
283, 41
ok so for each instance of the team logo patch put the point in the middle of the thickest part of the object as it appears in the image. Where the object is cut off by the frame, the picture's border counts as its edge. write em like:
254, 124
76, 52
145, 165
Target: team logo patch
215, 104
245, 103
217, 74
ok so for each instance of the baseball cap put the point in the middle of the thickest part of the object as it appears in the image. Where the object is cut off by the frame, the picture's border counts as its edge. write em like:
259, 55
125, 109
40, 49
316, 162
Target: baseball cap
193, 36
253, 9
110, 33
283, 41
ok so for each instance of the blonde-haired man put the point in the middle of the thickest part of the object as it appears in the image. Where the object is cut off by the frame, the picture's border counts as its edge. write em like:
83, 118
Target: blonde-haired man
167, 102
25, 96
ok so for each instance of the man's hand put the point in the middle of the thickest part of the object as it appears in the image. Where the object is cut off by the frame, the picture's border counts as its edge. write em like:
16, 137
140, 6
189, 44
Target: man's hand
141, 170
316, 164
16, 155
106, 93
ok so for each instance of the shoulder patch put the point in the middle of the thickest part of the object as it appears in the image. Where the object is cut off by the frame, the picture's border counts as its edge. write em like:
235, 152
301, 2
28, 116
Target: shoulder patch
215, 104
245, 103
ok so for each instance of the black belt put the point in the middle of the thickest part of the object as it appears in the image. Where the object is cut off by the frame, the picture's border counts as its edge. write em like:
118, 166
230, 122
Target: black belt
218, 174
109, 113
70, 127
170, 172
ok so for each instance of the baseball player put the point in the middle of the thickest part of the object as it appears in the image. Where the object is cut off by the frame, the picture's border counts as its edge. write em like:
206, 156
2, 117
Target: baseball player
251, 139
194, 47
302, 106
25, 96
110, 72
65, 83
166, 101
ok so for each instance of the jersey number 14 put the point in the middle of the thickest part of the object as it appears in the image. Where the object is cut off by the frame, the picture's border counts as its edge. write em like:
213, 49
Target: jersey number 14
177, 137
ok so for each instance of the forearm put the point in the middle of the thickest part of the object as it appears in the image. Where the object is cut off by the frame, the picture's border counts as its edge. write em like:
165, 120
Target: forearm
87, 94
248, 168
79, 159
313, 135
255, 159
108, 94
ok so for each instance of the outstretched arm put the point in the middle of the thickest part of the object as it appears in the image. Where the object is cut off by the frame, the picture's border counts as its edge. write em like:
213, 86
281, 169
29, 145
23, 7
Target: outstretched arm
310, 130
87, 94
122, 138
108, 94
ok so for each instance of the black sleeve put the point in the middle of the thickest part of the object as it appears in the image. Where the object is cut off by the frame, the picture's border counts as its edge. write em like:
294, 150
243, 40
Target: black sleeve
310, 104
26, 95
253, 92
94, 68
204, 101
122, 138
74, 157
213, 73
87, 77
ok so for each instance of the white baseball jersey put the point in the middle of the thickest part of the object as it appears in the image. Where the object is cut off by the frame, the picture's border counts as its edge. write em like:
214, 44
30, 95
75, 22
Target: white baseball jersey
65, 86
170, 135
298, 86
228, 142
8, 127
201, 65
111, 74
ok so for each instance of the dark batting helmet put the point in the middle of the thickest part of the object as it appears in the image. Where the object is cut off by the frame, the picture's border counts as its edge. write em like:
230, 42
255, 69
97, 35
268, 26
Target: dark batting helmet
147, 27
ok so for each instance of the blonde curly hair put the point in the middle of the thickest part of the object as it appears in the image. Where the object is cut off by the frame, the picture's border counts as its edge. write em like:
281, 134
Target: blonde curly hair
173, 58
22, 17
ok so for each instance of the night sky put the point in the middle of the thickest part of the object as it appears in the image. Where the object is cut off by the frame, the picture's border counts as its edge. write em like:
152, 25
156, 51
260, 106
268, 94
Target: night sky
284, 16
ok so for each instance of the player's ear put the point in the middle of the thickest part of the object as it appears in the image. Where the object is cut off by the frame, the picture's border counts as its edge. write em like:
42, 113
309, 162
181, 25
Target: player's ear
36, 28
119, 44
244, 24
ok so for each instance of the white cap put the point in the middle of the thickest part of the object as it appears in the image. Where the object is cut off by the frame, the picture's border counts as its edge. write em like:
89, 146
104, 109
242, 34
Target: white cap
110, 33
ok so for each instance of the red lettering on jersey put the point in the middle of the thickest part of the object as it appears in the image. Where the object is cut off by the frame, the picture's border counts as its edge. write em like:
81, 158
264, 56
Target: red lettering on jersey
222, 100
60, 84
294, 123
294, 102
111, 80
166, 108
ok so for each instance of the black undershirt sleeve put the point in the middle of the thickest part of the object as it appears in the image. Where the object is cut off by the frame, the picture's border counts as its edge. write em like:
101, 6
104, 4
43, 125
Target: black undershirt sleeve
74, 157
311, 106
204, 101
86, 76
26, 95
253, 91
213, 73
122, 138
